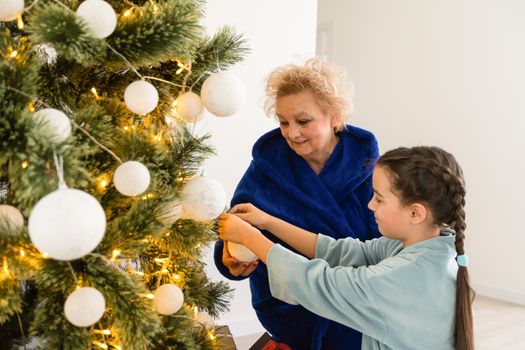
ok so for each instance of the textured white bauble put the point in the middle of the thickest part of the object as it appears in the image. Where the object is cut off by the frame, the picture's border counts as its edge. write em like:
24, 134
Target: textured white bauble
10, 9
12, 217
189, 107
100, 17
141, 97
56, 122
131, 178
168, 299
222, 94
205, 319
84, 307
169, 212
67, 224
203, 198
241, 253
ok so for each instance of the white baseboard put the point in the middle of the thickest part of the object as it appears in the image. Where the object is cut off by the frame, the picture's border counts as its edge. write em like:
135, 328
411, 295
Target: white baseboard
500, 294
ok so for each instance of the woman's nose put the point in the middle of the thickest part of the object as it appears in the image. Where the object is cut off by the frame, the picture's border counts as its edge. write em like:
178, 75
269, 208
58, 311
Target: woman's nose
293, 132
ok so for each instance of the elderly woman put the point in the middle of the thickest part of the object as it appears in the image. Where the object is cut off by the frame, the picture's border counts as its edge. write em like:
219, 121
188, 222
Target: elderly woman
315, 172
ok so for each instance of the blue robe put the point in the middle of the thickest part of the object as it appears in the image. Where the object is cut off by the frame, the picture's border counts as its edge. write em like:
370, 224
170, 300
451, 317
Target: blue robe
281, 183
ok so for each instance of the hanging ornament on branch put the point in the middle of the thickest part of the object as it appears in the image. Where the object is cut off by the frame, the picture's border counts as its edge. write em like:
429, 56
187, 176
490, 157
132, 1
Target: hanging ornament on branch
10, 9
100, 17
169, 212
203, 198
189, 107
222, 93
84, 307
168, 299
12, 218
131, 178
67, 224
141, 97
55, 122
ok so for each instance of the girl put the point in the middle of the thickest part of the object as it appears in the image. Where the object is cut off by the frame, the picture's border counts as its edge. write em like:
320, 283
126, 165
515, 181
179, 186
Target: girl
406, 290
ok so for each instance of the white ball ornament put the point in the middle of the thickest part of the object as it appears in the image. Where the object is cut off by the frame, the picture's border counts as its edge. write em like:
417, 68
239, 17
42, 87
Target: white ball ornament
189, 107
205, 319
203, 198
67, 224
222, 93
131, 178
84, 307
168, 299
241, 253
141, 97
12, 217
56, 122
10, 9
100, 17
169, 212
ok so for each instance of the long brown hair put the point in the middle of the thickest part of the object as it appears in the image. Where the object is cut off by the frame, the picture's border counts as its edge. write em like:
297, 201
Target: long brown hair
432, 176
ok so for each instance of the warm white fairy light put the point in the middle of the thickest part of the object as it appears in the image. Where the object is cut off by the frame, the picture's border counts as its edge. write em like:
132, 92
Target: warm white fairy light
99, 344
22, 252
20, 22
13, 54
150, 296
115, 254
128, 12
25, 164
94, 91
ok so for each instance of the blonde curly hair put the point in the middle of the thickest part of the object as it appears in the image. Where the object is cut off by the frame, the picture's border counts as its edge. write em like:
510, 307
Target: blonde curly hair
326, 82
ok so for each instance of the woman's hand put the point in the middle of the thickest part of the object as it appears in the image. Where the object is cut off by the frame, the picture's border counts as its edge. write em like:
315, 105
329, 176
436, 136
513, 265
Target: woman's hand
236, 267
250, 213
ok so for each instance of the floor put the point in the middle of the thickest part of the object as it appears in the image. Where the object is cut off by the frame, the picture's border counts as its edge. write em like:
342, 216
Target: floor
497, 326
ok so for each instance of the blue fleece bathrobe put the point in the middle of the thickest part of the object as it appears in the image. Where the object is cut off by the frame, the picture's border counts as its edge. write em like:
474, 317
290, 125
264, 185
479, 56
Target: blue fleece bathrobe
281, 183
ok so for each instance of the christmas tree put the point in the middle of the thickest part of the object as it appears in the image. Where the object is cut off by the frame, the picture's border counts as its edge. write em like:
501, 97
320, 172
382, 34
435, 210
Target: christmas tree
104, 210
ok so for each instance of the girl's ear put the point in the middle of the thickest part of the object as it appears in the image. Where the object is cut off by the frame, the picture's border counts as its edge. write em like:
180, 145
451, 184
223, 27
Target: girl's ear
418, 213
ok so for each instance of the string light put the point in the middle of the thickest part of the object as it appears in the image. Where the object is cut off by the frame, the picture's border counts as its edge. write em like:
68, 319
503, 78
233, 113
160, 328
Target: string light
174, 103
13, 54
103, 331
94, 91
150, 296
31, 107
211, 336
182, 67
160, 260
114, 255
99, 344
195, 312
118, 347
25, 164
6, 267
22, 252
20, 22
128, 12
176, 277
155, 9
45, 255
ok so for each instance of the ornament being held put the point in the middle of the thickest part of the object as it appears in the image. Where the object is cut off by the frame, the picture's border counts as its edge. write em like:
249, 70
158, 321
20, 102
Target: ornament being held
222, 94
67, 224
12, 218
10, 9
84, 307
141, 97
100, 17
168, 299
241, 253
203, 198
131, 178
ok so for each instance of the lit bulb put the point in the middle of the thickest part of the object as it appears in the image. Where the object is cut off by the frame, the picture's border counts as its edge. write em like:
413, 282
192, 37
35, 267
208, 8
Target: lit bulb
25, 164
20, 22
13, 54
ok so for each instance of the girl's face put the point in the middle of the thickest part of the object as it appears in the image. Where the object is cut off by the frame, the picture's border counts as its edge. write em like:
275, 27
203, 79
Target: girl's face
305, 127
393, 219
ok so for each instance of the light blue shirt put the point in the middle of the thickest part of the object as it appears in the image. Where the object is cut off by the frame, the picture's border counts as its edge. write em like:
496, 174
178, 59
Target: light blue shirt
399, 298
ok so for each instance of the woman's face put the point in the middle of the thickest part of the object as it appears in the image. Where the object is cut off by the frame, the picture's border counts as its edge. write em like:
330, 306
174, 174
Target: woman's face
305, 127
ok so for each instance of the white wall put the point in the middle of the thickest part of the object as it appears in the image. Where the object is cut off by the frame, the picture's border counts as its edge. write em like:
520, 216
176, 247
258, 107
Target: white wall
449, 73
278, 32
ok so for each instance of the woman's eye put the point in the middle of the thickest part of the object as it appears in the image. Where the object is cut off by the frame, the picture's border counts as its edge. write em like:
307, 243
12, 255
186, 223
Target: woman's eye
283, 123
303, 122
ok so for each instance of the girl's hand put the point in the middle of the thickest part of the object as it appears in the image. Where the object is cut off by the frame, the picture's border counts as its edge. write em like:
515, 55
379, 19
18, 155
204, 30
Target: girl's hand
234, 229
236, 267
250, 213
